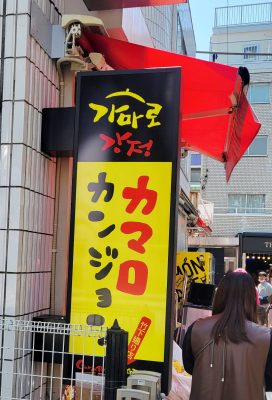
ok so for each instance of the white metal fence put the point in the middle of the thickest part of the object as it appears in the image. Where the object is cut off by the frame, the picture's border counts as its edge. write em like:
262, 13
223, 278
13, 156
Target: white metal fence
243, 14
45, 360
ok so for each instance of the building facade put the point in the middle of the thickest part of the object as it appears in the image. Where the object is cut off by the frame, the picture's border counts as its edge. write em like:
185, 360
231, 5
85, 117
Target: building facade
35, 189
242, 36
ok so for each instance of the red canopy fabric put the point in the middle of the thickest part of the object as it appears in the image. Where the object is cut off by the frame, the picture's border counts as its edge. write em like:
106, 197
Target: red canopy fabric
216, 118
94, 5
203, 225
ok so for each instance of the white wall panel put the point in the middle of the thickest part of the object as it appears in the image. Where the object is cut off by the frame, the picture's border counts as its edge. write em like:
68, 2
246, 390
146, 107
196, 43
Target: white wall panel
27, 186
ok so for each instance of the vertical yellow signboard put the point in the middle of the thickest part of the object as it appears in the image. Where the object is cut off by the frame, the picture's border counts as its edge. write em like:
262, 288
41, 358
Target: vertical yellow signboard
124, 210
196, 266
120, 266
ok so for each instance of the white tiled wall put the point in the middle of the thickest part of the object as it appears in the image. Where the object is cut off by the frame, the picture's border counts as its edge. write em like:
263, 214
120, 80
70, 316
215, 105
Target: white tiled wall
27, 177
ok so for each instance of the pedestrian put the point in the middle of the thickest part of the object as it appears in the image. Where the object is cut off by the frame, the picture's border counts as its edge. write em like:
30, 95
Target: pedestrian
269, 277
262, 315
256, 290
228, 354
264, 289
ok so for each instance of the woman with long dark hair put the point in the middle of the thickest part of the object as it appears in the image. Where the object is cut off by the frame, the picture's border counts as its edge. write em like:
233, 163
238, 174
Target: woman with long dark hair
228, 354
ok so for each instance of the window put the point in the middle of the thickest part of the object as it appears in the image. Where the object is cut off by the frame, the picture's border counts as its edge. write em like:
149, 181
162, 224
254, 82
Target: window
195, 159
195, 168
181, 48
258, 93
246, 203
249, 53
258, 147
195, 175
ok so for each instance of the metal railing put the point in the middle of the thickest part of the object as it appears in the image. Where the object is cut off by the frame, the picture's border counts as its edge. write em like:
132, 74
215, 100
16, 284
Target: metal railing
242, 211
244, 14
45, 360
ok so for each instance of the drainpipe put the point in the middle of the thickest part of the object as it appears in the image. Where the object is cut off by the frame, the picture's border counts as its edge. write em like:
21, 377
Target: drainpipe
240, 254
57, 185
1, 106
61, 79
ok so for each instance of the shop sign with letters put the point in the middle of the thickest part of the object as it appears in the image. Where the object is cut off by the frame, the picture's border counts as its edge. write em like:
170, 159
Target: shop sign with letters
124, 211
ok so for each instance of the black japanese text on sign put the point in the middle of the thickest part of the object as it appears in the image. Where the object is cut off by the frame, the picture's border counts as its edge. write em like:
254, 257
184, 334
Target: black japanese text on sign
125, 190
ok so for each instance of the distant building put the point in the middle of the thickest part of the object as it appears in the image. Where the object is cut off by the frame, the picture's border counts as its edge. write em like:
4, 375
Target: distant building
245, 203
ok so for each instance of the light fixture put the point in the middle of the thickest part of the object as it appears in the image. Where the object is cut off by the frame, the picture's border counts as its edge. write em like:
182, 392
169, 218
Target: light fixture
259, 257
263, 257
253, 257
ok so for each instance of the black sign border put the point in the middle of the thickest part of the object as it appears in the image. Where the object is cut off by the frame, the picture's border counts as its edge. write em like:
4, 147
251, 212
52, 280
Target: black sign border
173, 231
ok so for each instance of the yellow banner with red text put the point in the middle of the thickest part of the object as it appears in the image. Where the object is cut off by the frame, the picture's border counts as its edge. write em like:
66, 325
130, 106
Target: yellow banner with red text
120, 259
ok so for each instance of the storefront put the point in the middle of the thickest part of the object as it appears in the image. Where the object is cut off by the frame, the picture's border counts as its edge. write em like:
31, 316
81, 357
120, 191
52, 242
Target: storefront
255, 251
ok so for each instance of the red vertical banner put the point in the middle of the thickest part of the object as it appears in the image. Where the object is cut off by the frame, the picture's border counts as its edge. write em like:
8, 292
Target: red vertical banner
137, 338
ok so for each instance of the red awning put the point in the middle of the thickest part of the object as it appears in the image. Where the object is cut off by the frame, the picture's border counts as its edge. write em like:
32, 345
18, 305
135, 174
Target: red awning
94, 5
203, 225
216, 118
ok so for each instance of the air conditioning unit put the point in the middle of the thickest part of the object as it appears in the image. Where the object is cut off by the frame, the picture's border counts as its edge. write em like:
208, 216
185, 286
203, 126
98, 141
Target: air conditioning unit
148, 381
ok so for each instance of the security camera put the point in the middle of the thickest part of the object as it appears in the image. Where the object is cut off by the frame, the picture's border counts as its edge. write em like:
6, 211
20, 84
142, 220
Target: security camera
78, 26
88, 22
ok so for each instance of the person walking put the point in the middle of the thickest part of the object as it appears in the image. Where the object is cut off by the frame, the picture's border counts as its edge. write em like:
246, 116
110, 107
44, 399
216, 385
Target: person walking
269, 276
228, 354
264, 289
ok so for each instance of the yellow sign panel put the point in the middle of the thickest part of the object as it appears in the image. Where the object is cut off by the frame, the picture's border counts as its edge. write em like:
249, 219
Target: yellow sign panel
120, 259
196, 266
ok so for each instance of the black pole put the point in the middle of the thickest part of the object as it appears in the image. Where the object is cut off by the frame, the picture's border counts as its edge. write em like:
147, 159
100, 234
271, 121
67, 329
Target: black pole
116, 360
240, 256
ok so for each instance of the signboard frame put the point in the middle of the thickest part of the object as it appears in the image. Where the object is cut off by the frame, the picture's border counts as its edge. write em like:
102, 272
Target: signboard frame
173, 151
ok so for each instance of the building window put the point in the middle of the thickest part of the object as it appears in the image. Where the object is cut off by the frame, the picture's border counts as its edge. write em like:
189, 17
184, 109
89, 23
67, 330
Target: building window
249, 53
258, 93
181, 48
195, 175
258, 147
195, 167
195, 159
246, 203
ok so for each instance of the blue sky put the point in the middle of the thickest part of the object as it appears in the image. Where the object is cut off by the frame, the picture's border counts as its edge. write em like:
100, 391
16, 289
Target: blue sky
203, 18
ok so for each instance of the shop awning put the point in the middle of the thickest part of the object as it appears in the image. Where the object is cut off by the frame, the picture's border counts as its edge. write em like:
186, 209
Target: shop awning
255, 242
203, 225
195, 223
94, 5
216, 118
